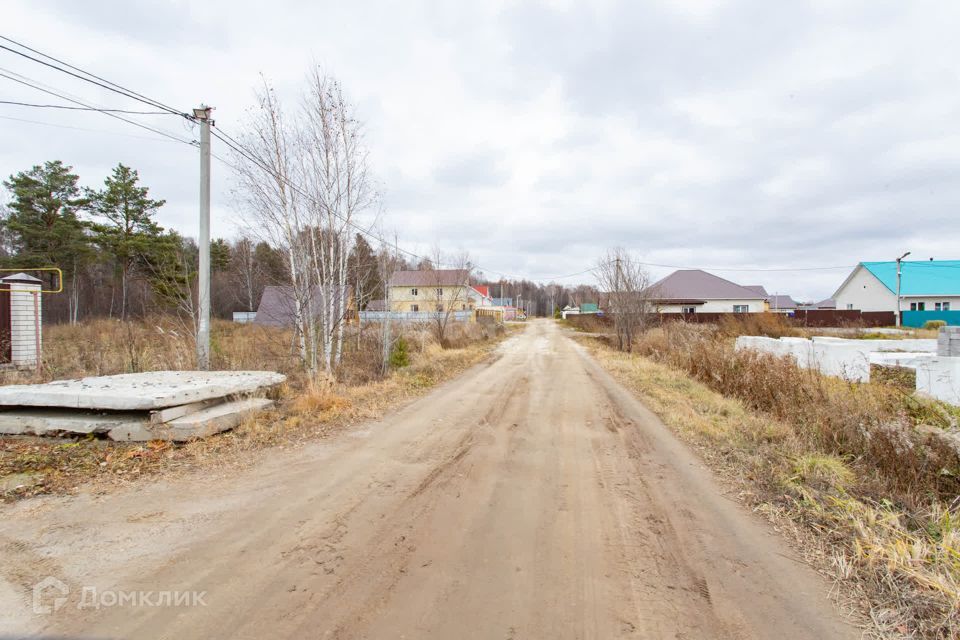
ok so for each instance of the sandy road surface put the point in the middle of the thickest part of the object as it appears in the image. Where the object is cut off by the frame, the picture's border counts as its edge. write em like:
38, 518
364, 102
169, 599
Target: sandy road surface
530, 498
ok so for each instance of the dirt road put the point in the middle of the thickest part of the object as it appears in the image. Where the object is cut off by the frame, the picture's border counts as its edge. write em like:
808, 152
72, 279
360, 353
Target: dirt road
530, 498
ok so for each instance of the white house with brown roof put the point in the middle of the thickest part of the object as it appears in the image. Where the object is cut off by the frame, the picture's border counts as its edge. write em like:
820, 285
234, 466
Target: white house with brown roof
433, 290
696, 291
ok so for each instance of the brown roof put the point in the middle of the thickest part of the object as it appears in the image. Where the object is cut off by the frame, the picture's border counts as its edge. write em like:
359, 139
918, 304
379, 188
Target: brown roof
695, 284
430, 277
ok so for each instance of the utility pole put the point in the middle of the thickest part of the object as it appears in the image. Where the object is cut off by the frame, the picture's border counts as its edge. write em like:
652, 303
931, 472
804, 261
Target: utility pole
899, 276
203, 321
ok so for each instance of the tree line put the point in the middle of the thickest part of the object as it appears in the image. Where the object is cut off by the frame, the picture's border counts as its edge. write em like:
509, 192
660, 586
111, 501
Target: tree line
117, 261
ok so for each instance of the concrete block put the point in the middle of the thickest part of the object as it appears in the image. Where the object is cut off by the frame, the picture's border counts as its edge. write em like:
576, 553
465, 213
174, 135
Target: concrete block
909, 360
139, 391
940, 378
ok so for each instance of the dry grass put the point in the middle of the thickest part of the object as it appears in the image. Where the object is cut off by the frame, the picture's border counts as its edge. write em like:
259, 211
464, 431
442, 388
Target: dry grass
860, 473
305, 410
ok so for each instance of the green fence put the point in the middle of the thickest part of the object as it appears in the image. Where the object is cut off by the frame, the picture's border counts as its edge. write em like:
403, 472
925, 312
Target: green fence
919, 318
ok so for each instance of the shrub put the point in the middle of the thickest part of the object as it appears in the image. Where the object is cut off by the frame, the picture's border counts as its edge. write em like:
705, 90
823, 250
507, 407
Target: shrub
399, 355
868, 422
934, 324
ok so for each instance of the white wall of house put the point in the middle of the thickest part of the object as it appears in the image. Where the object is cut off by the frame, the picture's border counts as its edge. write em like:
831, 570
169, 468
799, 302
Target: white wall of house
864, 292
716, 306
930, 302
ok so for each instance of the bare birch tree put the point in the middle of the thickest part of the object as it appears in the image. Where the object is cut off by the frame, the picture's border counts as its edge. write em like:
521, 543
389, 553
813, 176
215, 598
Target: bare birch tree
305, 182
336, 176
267, 178
628, 287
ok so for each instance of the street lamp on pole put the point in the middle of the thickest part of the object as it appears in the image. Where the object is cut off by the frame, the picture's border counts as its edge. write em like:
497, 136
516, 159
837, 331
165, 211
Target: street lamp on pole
899, 276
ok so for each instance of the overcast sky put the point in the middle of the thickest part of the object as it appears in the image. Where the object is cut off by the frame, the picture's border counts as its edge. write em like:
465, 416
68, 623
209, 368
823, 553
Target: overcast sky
734, 135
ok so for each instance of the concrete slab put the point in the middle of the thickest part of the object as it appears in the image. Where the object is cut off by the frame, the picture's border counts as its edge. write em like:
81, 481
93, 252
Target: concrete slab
129, 426
41, 422
213, 420
138, 391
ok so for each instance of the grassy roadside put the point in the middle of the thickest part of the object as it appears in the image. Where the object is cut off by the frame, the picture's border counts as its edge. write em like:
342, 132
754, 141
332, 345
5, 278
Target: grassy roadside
891, 543
32, 466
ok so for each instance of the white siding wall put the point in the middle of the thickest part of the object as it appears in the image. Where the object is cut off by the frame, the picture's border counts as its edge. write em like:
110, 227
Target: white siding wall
716, 306
24, 324
931, 302
866, 293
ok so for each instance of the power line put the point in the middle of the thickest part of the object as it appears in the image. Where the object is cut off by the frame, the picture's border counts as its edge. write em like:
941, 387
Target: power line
64, 106
102, 131
31, 84
97, 80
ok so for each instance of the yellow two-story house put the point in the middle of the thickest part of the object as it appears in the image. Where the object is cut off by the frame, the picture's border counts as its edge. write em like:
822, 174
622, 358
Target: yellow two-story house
434, 290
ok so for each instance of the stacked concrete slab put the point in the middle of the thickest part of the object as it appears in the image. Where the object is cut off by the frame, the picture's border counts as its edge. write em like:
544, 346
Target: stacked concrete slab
164, 405
937, 362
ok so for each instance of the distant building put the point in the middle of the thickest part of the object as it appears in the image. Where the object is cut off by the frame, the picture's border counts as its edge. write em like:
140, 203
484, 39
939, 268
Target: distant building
434, 290
925, 285
696, 291
278, 305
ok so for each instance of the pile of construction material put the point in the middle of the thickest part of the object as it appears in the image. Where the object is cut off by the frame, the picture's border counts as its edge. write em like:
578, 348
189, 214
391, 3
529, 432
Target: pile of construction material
159, 405
936, 361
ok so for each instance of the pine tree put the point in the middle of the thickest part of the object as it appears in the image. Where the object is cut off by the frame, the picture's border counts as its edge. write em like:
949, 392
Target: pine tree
220, 255
128, 231
43, 227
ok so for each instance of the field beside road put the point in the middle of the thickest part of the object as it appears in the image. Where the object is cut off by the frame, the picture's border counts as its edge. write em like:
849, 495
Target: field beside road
863, 477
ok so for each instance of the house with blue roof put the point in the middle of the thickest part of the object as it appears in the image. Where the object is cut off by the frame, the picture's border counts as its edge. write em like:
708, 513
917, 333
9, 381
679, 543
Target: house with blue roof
925, 285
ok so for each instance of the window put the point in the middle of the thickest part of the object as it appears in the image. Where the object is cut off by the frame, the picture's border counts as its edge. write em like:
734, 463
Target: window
688, 310
918, 306
946, 306
413, 292
849, 306
741, 308
439, 293
414, 307
942, 306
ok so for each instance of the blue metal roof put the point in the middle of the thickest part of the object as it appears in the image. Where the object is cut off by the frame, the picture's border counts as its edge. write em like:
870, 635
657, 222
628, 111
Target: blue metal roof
920, 277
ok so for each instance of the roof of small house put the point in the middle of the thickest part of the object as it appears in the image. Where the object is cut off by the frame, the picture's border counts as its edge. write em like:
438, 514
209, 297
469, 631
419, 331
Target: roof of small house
781, 302
918, 277
376, 305
483, 289
430, 278
21, 277
278, 305
694, 285
826, 303
589, 307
